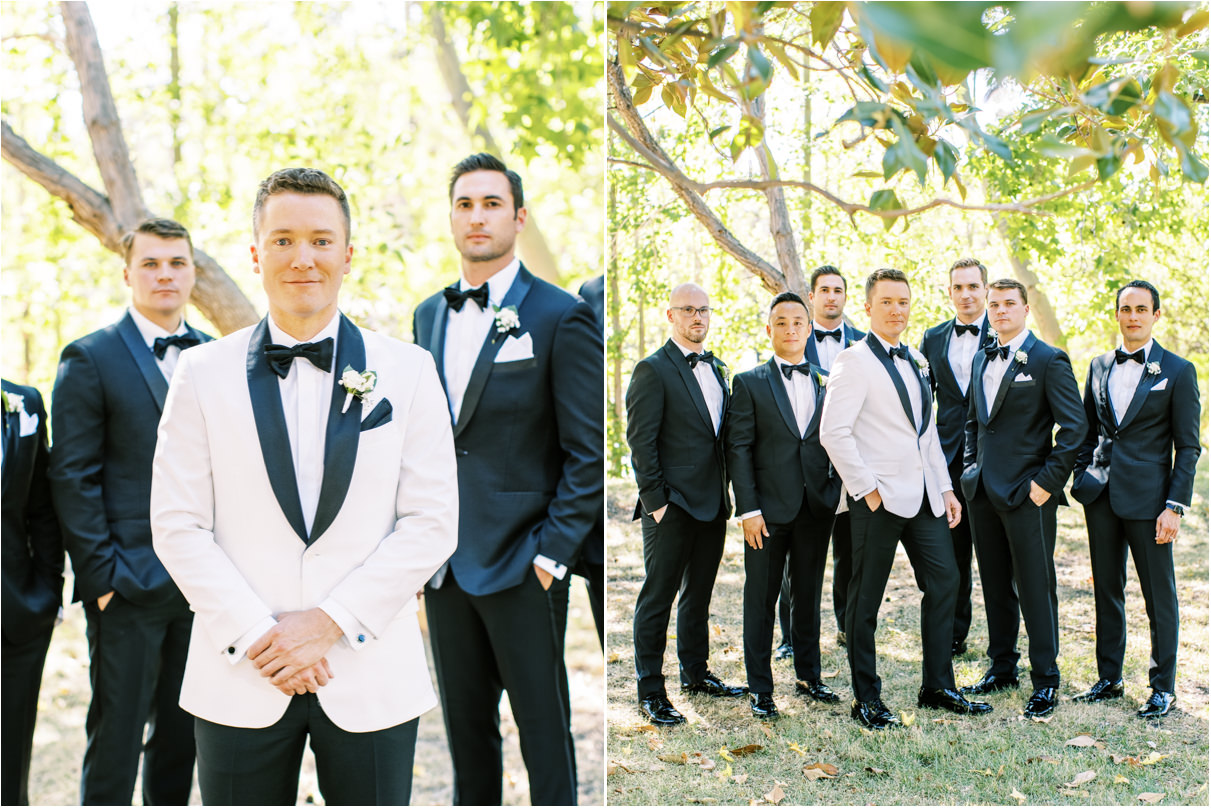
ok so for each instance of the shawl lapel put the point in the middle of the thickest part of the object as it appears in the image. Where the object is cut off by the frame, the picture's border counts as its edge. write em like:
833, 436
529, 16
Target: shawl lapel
342, 433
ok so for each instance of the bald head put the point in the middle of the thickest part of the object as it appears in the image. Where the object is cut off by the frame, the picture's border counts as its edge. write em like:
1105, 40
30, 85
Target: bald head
690, 314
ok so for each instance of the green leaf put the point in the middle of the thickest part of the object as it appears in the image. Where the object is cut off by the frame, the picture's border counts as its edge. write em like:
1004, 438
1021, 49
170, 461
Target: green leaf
825, 20
1107, 165
1050, 146
1114, 97
872, 79
868, 113
907, 152
717, 131
995, 145
947, 158
643, 94
885, 199
760, 63
891, 163
1193, 168
722, 54
749, 134
1031, 122
1173, 118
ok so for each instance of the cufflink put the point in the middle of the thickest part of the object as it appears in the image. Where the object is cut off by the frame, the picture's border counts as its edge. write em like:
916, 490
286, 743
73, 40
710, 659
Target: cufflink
361, 638
231, 649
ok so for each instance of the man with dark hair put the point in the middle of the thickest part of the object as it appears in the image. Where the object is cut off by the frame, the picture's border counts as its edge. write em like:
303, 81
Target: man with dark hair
522, 364
107, 401
303, 490
787, 494
676, 413
950, 348
1135, 476
877, 430
33, 580
1013, 479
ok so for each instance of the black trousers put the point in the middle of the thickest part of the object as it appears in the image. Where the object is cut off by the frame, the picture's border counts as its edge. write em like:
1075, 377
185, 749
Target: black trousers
21, 678
960, 536
1109, 540
137, 658
843, 569
681, 557
802, 547
242, 766
926, 539
484, 645
594, 580
1016, 552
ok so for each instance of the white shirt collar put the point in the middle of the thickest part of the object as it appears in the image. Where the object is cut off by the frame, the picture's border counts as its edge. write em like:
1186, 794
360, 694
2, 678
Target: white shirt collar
150, 331
782, 361
817, 327
498, 284
886, 345
1017, 341
1147, 349
277, 335
687, 351
977, 322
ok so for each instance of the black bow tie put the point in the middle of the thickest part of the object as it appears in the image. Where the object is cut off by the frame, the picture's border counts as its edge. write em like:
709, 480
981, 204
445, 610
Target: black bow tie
805, 368
900, 351
993, 351
961, 329
182, 341
1121, 356
280, 357
823, 335
695, 358
455, 299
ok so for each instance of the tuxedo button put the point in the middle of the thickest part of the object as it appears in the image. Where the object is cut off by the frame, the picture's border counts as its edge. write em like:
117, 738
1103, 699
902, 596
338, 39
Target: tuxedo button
991, 431
462, 452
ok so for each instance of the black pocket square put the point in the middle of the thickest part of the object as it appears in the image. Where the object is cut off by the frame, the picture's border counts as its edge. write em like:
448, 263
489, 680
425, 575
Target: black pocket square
378, 416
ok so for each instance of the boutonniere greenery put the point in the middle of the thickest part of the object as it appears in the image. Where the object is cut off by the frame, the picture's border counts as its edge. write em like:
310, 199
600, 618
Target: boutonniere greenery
822, 380
14, 402
1153, 368
1020, 357
357, 385
506, 319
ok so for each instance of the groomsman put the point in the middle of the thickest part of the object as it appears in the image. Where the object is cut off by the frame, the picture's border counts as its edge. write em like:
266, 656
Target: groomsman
787, 494
676, 406
33, 579
1135, 476
522, 364
592, 557
303, 490
107, 402
950, 348
877, 430
1013, 478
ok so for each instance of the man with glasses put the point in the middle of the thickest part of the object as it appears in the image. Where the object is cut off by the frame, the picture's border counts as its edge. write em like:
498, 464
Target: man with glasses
675, 412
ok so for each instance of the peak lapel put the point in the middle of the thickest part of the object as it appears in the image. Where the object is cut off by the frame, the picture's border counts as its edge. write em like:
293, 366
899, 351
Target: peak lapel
876, 348
813, 423
271, 429
342, 432
144, 359
1147, 380
781, 399
1010, 372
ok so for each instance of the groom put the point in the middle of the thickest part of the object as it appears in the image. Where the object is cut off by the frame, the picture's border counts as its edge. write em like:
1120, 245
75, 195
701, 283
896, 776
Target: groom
522, 364
299, 512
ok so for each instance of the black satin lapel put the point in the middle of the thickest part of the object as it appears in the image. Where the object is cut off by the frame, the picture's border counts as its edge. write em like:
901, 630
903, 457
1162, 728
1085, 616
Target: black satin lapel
271, 429
976, 386
809, 352
691, 382
437, 339
813, 423
1101, 392
343, 431
926, 403
13, 422
876, 348
1146, 382
945, 370
781, 398
144, 359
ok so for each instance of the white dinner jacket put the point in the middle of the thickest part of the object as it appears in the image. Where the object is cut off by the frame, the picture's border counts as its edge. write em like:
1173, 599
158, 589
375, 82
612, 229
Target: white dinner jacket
870, 440
221, 530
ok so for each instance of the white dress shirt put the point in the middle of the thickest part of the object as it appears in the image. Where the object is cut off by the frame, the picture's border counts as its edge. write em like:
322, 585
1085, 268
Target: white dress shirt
962, 350
1123, 380
803, 404
827, 349
712, 389
911, 374
466, 331
150, 331
994, 369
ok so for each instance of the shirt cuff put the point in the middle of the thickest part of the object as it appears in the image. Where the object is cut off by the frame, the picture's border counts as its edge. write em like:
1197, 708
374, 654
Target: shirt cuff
749, 515
355, 633
551, 565
237, 650
1169, 502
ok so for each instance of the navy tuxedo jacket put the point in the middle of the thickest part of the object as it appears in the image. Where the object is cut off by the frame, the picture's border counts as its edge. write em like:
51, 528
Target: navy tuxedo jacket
850, 334
32, 546
1012, 446
1148, 457
771, 464
676, 454
952, 403
107, 403
529, 438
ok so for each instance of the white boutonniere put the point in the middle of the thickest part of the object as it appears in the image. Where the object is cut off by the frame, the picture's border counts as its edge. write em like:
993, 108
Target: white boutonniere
357, 385
14, 402
506, 319
822, 379
1153, 368
1020, 357
922, 363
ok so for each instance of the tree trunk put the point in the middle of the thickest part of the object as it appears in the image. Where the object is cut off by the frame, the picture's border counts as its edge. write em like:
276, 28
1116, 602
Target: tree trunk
1040, 306
779, 215
615, 308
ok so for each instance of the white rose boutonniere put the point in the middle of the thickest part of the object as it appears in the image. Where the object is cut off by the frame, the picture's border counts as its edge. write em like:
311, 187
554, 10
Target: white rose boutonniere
13, 402
1020, 357
922, 363
357, 385
1153, 368
506, 319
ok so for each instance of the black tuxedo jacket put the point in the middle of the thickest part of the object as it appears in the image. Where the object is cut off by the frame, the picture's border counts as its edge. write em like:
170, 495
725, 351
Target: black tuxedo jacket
107, 403
770, 463
675, 452
952, 403
1148, 458
33, 548
1012, 445
529, 436
850, 334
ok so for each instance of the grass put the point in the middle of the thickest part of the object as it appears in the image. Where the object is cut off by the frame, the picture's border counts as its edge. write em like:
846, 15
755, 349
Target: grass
62, 703
938, 759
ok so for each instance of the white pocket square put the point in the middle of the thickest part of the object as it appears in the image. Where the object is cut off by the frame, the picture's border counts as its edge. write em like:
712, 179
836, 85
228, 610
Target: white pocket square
516, 348
29, 424
1023, 377
1159, 385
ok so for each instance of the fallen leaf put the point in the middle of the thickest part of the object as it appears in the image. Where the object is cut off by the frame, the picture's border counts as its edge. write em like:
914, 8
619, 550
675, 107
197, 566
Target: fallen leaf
1001, 770
1081, 741
717, 631
1119, 779
907, 718
679, 758
646, 728
1042, 719
1118, 759
1043, 759
1081, 779
830, 675
1151, 744
985, 772
741, 751
726, 755
794, 747
614, 656
655, 743
739, 779
1017, 795
702, 801
726, 773
707, 765
1150, 797
611, 768
819, 771
769, 733
775, 796
873, 770
1153, 757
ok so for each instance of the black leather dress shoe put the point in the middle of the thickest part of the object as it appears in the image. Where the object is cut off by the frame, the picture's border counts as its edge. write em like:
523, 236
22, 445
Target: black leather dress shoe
947, 699
711, 685
1158, 704
873, 714
815, 689
762, 705
1102, 690
784, 651
958, 648
990, 684
1041, 702
660, 711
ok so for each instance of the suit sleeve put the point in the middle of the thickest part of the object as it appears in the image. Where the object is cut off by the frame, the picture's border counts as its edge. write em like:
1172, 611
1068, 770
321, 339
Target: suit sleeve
740, 435
1184, 412
1064, 399
846, 394
75, 472
46, 542
645, 413
1084, 454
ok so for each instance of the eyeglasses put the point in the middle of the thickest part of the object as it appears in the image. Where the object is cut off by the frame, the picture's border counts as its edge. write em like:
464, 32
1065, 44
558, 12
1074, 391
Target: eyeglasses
690, 311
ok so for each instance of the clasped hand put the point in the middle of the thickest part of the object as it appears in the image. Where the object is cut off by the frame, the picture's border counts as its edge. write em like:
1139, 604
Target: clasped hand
291, 655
